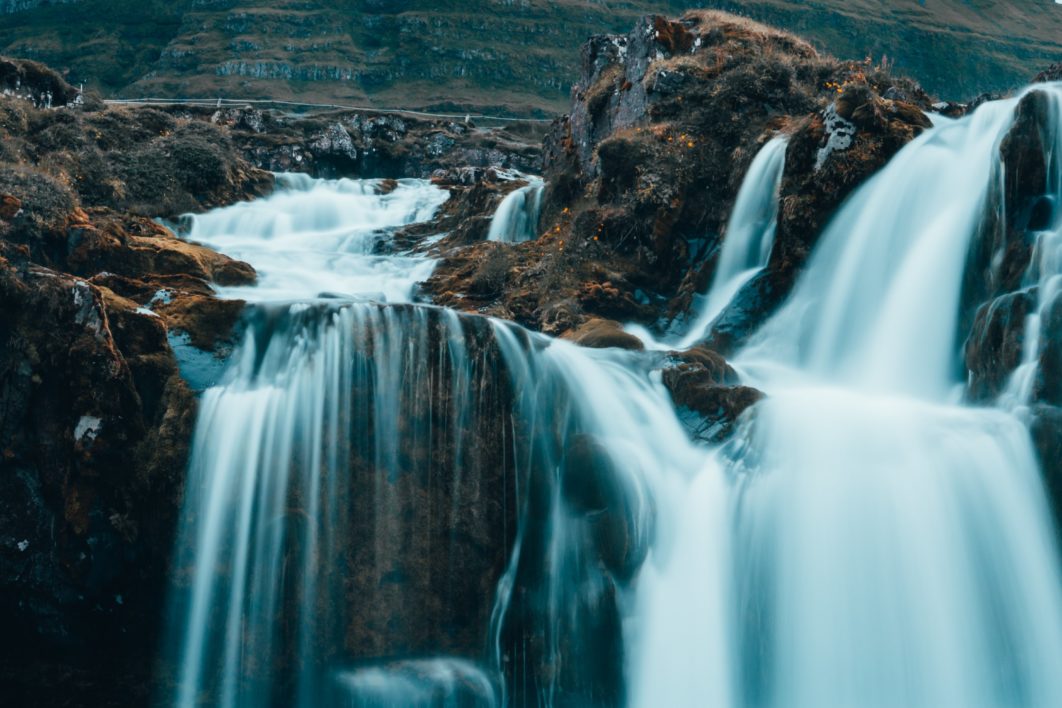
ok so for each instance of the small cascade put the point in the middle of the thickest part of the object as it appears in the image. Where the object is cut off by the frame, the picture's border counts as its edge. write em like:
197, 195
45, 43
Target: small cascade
749, 237
1044, 275
517, 217
318, 238
603, 442
747, 245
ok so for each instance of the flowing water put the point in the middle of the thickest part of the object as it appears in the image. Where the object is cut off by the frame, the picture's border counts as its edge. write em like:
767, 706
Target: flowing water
863, 540
746, 247
516, 219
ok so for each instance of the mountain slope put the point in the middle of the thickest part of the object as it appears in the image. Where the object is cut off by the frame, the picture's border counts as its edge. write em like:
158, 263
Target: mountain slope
511, 55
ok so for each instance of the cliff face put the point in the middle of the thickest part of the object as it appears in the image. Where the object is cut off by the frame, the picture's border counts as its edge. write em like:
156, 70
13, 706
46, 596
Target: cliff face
510, 55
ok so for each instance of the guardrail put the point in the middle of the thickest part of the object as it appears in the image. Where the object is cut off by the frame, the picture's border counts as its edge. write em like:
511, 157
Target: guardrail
235, 102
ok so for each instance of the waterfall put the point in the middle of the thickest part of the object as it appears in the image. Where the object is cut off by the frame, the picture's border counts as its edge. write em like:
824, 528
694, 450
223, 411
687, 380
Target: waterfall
299, 475
303, 454
747, 244
891, 547
603, 436
317, 238
516, 219
392, 504
749, 236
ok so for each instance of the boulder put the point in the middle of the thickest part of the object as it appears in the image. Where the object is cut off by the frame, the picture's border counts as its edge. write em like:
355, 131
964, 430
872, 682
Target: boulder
708, 393
601, 334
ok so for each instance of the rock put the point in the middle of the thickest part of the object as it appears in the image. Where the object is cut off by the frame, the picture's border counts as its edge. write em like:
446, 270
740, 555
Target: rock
994, 290
701, 382
821, 170
36, 83
10, 207
1046, 429
602, 334
1048, 386
1051, 73
358, 144
94, 439
643, 172
136, 159
994, 347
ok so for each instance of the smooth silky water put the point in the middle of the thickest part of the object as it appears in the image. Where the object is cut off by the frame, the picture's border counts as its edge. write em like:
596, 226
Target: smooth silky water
891, 546
864, 540
516, 219
746, 248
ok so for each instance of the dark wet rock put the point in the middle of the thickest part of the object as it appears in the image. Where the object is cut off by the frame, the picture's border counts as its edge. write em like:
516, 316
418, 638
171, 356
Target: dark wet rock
604, 493
601, 334
94, 437
1051, 73
1001, 251
1048, 386
994, 347
708, 393
1046, 429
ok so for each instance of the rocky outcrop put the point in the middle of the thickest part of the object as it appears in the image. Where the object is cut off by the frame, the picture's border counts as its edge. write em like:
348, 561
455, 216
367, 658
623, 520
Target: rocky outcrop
138, 160
366, 145
642, 174
95, 417
94, 437
1000, 291
36, 83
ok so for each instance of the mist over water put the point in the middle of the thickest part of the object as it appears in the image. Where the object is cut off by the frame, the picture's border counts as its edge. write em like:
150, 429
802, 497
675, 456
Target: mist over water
863, 540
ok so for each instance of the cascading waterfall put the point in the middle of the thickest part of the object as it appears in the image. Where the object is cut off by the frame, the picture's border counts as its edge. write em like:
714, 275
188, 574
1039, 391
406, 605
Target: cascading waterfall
746, 246
516, 219
316, 238
749, 236
602, 434
890, 547
863, 540
318, 388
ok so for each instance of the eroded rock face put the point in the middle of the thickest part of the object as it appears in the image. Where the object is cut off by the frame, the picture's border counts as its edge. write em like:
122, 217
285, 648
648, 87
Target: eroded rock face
643, 172
94, 437
95, 418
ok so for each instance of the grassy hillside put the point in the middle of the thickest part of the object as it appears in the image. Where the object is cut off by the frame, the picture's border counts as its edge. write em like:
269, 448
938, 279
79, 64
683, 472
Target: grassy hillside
511, 55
